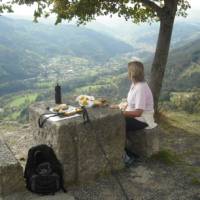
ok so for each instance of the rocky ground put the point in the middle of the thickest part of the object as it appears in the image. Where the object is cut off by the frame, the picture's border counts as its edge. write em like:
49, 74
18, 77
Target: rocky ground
173, 174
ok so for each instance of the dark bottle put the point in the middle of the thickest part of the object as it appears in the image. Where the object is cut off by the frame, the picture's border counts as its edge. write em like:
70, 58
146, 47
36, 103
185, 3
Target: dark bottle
58, 94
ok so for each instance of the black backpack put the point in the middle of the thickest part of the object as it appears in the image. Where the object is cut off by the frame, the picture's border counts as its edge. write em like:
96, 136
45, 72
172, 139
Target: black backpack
43, 171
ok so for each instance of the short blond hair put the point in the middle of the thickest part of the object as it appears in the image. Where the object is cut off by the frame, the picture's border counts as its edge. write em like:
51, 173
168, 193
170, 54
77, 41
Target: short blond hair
136, 71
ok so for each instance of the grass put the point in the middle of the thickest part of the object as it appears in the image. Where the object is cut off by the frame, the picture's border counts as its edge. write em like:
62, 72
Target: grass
167, 157
194, 170
194, 173
14, 116
22, 99
181, 120
189, 124
170, 158
195, 181
13, 105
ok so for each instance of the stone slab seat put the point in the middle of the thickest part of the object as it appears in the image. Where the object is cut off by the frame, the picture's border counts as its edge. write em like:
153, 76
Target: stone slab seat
11, 172
143, 142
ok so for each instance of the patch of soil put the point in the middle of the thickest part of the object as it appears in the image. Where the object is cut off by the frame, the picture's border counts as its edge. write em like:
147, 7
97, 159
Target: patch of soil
145, 180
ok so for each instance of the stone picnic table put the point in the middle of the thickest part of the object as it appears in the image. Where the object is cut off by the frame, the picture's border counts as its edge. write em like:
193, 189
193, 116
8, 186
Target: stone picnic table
78, 146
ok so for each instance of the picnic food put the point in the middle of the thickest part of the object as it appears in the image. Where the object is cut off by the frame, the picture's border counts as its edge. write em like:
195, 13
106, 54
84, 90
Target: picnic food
90, 101
78, 110
65, 110
65, 113
85, 100
60, 107
100, 102
70, 113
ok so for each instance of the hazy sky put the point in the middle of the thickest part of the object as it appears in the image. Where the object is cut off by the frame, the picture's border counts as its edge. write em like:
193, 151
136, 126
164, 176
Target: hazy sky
26, 12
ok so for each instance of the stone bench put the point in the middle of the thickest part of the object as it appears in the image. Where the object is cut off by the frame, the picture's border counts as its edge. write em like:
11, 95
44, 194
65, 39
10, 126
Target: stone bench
143, 142
78, 146
11, 172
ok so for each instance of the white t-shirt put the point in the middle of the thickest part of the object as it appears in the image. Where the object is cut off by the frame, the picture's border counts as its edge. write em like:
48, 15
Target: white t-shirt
140, 97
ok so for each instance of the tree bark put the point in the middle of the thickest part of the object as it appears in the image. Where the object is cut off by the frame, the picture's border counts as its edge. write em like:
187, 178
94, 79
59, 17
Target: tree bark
161, 54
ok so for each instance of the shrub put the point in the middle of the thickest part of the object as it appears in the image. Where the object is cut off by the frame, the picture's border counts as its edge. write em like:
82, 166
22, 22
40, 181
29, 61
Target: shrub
189, 102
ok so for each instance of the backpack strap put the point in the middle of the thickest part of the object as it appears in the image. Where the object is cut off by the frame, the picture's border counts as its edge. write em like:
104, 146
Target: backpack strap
42, 120
86, 118
63, 188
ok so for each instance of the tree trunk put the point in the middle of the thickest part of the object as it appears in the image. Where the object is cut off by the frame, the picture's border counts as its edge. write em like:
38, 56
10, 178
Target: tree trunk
161, 55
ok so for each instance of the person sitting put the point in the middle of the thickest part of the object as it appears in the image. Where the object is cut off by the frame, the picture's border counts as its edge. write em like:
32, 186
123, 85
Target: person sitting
138, 109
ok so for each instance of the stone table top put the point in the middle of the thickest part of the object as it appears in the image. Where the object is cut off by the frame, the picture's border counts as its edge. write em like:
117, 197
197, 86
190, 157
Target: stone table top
95, 113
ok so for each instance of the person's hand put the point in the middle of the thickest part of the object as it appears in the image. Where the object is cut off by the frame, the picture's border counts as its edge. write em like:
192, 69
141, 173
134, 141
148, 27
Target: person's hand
114, 106
123, 106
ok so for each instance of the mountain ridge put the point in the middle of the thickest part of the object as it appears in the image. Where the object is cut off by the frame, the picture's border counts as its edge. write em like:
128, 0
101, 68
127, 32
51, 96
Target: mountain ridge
29, 45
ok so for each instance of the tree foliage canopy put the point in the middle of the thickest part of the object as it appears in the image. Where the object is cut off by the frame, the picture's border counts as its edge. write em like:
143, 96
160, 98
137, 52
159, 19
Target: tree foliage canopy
86, 10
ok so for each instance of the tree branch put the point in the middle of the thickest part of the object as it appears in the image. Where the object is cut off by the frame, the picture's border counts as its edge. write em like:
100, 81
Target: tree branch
152, 5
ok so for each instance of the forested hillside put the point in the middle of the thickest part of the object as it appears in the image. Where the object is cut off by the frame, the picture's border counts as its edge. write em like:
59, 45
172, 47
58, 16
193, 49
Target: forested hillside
183, 70
33, 57
25, 47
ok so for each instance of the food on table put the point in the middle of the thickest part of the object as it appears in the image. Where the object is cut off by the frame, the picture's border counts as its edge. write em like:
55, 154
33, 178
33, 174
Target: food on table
85, 100
78, 110
122, 106
97, 102
100, 102
69, 113
60, 107
90, 101
83, 97
65, 110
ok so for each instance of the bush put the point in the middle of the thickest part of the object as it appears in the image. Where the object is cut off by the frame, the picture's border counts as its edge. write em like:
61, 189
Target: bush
189, 102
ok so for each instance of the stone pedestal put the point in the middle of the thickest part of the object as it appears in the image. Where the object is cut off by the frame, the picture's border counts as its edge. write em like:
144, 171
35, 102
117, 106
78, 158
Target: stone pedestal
79, 146
143, 142
11, 172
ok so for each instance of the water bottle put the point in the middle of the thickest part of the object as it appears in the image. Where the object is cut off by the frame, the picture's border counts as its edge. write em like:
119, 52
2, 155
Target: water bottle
58, 94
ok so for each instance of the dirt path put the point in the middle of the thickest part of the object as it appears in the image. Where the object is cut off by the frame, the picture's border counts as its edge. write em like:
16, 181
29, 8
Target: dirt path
152, 179
175, 176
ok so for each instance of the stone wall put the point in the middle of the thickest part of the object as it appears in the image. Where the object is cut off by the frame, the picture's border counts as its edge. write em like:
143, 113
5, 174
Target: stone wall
11, 172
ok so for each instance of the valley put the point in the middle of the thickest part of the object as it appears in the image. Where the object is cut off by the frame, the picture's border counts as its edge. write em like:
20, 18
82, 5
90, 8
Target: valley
85, 61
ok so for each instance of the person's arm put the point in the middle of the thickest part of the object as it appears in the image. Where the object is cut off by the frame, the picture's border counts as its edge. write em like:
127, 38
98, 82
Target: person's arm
135, 113
122, 106
114, 106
